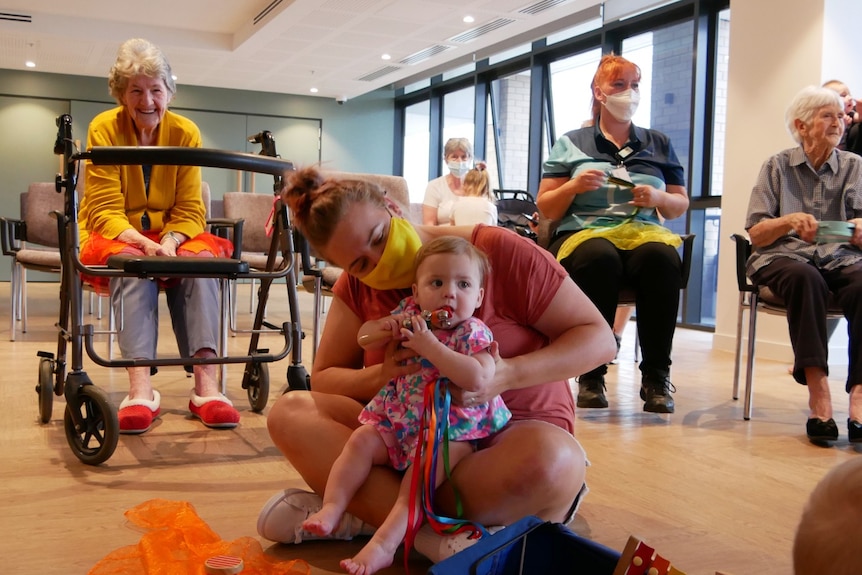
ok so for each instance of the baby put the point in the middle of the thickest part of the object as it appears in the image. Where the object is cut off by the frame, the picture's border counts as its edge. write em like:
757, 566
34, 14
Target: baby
437, 323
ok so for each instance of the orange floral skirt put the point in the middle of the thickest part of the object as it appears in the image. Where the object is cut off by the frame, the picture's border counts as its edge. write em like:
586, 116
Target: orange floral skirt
97, 250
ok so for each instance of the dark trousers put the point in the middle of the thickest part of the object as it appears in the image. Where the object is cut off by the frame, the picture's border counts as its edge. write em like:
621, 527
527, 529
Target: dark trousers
805, 290
653, 270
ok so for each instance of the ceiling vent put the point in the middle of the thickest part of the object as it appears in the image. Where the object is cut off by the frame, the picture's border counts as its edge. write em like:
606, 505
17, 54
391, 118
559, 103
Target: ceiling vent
424, 54
8, 16
541, 6
378, 73
265, 12
471, 35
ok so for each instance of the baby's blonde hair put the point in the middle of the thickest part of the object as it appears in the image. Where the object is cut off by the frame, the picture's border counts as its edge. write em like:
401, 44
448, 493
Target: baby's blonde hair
477, 183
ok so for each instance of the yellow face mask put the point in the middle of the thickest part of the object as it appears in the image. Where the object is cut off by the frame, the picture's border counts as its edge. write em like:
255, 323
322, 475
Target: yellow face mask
395, 268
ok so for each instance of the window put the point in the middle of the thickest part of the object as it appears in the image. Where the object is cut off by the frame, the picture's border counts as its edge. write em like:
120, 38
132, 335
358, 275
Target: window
683, 94
664, 57
639, 49
458, 111
571, 95
510, 113
719, 125
416, 137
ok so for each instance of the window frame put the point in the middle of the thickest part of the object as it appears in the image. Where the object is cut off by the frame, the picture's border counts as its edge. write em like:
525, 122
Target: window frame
705, 16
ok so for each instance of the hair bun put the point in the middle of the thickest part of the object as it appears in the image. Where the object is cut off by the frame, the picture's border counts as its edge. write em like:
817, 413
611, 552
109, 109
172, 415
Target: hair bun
299, 191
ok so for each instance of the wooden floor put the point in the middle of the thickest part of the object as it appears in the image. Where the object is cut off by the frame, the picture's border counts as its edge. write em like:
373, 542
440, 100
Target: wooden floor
709, 490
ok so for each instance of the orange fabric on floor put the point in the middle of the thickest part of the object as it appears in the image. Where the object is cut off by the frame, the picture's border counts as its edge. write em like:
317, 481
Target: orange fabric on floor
178, 542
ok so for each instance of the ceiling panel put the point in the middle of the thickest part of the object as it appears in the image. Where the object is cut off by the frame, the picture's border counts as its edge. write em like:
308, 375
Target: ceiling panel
217, 43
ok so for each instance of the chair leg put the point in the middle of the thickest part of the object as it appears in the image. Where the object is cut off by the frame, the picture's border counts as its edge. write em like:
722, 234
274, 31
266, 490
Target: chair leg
737, 362
232, 294
316, 311
251, 297
749, 371
637, 346
14, 300
22, 289
112, 327
224, 310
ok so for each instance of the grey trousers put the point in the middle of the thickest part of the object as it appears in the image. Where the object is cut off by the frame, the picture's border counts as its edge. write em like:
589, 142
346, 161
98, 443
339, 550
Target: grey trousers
193, 304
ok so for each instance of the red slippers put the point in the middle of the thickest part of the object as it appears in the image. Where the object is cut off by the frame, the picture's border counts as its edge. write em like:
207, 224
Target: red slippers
136, 415
215, 411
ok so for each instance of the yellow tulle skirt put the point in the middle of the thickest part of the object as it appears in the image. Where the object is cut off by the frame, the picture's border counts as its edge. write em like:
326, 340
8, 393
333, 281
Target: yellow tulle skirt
625, 236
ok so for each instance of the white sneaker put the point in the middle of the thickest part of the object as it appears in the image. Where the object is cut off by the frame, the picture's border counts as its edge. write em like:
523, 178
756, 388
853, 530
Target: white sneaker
438, 547
282, 516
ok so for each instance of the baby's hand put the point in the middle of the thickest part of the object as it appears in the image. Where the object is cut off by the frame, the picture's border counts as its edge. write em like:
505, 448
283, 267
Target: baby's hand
379, 332
418, 337
392, 324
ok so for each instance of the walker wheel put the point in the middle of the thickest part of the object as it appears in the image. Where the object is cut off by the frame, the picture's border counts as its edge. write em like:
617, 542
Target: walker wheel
258, 386
95, 440
45, 389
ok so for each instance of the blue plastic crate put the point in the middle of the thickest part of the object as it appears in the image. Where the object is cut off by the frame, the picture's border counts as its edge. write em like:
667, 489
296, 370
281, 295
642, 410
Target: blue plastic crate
531, 547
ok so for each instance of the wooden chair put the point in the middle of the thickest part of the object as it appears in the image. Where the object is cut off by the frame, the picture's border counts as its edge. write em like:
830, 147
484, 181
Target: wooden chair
754, 298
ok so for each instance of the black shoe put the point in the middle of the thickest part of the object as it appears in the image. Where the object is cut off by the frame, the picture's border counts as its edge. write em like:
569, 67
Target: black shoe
656, 394
591, 392
854, 431
819, 431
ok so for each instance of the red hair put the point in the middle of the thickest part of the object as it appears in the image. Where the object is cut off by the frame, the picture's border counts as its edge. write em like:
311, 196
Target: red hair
319, 203
610, 68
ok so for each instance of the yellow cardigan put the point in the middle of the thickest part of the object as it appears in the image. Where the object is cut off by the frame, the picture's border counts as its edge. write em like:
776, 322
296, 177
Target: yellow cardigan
114, 196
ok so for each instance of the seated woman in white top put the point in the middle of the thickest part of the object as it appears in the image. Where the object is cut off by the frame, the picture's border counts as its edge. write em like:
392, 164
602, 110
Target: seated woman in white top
442, 192
477, 205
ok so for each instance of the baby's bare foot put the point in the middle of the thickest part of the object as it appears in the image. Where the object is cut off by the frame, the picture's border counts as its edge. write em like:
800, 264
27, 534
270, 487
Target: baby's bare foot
324, 521
372, 558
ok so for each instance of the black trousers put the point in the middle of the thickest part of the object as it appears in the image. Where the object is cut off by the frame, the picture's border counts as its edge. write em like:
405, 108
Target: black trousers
653, 270
805, 289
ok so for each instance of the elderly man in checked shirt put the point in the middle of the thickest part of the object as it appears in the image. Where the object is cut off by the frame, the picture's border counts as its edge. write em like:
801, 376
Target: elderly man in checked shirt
805, 224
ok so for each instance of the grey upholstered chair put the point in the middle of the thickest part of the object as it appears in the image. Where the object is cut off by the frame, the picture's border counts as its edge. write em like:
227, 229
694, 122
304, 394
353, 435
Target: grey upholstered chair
33, 244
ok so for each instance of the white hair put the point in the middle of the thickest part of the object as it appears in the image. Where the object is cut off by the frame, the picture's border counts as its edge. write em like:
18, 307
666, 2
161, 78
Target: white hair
139, 56
457, 145
805, 105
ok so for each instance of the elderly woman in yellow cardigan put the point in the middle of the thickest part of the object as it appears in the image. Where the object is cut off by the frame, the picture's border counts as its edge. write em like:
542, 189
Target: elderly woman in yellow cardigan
153, 210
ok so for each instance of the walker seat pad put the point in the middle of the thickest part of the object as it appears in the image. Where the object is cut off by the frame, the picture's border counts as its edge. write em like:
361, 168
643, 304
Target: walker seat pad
179, 265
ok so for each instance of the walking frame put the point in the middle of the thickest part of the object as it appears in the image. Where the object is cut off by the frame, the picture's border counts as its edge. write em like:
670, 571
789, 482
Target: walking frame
90, 420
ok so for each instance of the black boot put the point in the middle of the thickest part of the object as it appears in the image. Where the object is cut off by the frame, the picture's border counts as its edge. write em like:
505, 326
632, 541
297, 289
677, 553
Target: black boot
656, 393
591, 391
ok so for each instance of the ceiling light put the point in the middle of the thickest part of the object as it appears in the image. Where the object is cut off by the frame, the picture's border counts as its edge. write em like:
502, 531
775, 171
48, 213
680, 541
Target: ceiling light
30, 64
386, 57
469, 19
313, 90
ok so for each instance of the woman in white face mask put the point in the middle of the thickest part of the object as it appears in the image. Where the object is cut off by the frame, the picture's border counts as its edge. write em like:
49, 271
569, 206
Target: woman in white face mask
605, 185
442, 193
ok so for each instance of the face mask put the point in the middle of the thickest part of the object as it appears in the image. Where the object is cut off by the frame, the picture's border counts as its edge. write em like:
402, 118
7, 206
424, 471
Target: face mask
623, 105
458, 169
395, 268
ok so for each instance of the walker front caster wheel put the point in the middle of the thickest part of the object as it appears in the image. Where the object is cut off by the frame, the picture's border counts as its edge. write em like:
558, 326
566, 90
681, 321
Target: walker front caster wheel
45, 389
95, 439
258, 386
